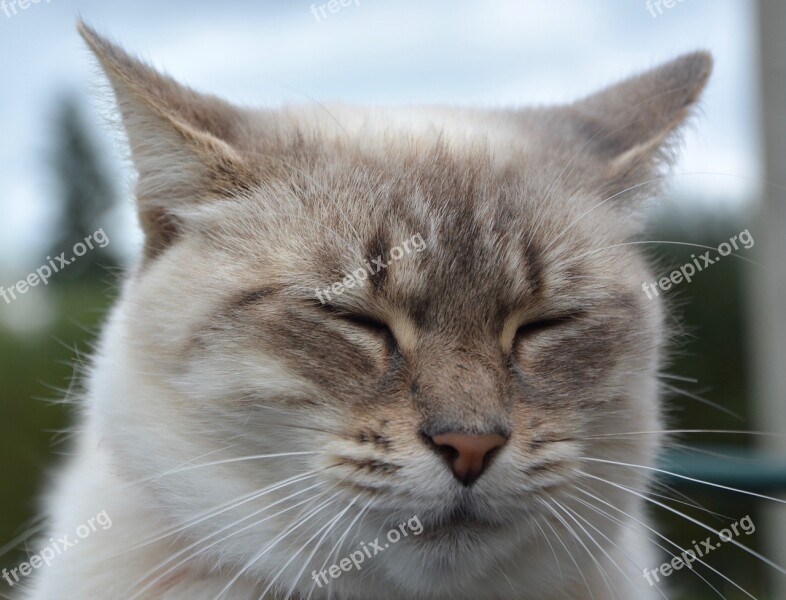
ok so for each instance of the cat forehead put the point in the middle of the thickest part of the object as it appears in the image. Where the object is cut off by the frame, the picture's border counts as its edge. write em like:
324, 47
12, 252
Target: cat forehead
354, 203
465, 216
346, 198
443, 159
395, 141
477, 250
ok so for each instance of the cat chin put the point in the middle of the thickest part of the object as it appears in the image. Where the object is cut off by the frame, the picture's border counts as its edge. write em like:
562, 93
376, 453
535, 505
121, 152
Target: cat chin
450, 563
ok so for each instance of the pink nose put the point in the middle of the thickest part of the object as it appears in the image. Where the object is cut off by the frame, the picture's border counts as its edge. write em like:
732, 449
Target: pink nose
468, 455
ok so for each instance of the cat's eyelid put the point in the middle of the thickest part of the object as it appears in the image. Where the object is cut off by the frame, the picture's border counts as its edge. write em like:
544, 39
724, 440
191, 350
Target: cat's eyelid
365, 321
563, 315
547, 321
354, 316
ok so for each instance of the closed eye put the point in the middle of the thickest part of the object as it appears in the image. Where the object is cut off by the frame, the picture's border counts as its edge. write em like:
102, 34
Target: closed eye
367, 323
361, 321
374, 327
533, 328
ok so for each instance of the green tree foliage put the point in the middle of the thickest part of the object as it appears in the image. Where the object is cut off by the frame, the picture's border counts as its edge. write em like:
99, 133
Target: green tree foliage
85, 189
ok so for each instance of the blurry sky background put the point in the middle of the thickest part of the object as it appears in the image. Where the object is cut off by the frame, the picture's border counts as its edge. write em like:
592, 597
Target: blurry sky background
508, 52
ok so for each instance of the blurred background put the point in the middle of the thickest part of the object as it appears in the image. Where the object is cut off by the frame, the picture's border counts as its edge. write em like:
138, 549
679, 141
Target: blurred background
63, 177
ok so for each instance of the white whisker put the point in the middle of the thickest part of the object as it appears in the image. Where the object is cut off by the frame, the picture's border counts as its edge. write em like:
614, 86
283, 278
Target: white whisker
758, 555
686, 478
626, 524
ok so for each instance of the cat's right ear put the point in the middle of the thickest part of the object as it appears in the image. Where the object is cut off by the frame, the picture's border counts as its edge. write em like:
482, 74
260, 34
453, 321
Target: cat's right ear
187, 147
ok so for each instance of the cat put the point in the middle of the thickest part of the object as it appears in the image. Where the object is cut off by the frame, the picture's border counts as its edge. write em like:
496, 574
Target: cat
246, 436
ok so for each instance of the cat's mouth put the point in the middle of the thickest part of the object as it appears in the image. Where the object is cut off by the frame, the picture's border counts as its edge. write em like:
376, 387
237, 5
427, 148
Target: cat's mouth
464, 513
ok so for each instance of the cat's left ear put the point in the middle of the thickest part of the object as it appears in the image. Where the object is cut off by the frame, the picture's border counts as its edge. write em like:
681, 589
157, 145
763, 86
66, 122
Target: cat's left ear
629, 127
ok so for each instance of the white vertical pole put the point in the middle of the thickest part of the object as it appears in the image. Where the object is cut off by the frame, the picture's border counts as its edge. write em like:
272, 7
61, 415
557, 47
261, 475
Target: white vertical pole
768, 286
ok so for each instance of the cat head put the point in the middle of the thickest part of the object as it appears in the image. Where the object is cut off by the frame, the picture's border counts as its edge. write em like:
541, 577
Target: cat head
345, 318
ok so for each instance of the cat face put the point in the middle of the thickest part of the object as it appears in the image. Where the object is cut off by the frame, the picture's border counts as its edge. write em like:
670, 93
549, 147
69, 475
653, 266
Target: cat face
345, 319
